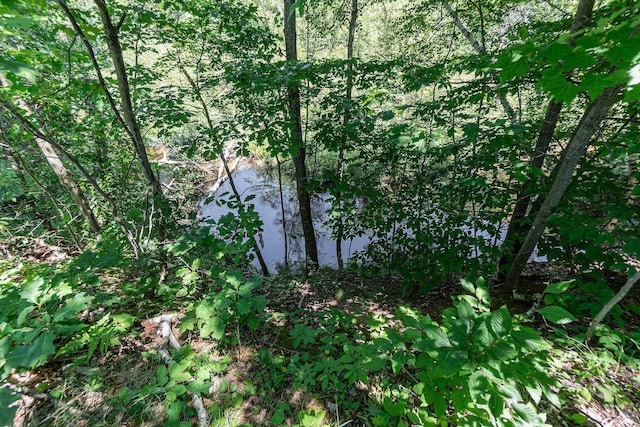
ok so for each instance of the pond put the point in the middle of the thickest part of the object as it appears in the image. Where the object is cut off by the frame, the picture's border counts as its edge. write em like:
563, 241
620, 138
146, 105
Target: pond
253, 181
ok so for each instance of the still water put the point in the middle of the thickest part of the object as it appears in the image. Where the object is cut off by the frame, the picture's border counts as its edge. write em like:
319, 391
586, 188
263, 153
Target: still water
253, 181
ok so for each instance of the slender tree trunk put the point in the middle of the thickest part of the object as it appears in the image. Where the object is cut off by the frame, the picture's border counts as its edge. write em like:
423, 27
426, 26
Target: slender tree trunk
196, 88
518, 222
64, 175
284, 214
612, 303
293, 104
31, 128
345, 123
591, 119
113, 42
480, 49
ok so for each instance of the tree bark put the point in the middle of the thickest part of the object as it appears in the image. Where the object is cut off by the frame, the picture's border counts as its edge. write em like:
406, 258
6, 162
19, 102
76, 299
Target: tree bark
64, 175
31, 128
345, 123
113, 42
612, 303
198, 93
518, 223
596, 112
299, 160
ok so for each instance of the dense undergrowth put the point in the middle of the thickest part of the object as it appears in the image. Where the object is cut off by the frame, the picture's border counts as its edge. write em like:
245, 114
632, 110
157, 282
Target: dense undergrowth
334, 348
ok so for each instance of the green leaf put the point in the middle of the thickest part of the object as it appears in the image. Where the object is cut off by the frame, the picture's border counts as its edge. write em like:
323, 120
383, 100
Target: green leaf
557, 315
526, 412
437, 335
529, 339
496, 405
278, 417
500, 321
377, 363
579, 418
556, 84
72, 307
394, 409
21, 69
243, 306
34, 354
468, 286
450, 364
7, 413
397, 361
465, 311
161, 375
559, 288
30, 291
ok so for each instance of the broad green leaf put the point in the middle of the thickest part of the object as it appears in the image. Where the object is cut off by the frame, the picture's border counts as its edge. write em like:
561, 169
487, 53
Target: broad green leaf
579, 418
395, 409
557, 315
529, 339
496, 405
30, 291
468, 286
559, 288
465, 311
500, 321
7, 413
397, 361
34, 354
377, 363
278, 417
556, 84
72, 307
527, 413
21, 69
438, 337
161, 375
243, 306
450, 364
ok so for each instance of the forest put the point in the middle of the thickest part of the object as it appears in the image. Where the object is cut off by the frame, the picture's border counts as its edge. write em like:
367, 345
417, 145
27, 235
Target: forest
319, 213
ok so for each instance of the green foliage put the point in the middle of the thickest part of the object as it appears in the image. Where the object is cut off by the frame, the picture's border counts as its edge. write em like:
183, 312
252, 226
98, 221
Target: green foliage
229, 303
478, 366
566, 300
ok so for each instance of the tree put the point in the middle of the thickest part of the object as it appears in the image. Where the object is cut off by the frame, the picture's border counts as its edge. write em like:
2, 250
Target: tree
127, 117
299, 159
345, 123
518, 224
64, 175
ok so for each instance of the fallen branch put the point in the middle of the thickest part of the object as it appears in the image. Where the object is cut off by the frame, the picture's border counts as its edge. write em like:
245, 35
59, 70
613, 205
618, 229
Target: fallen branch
612, 303
168, 337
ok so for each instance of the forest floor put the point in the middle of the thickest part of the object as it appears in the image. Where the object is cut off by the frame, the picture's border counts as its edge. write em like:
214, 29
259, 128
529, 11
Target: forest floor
117, 387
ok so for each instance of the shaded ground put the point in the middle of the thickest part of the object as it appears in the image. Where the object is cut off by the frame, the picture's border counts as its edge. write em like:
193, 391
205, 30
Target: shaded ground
110, 390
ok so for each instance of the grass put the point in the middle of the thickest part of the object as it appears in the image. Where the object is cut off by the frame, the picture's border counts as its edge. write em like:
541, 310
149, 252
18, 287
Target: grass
274, 375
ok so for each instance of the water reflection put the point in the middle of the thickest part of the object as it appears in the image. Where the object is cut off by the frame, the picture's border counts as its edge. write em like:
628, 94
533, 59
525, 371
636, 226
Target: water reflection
251, 181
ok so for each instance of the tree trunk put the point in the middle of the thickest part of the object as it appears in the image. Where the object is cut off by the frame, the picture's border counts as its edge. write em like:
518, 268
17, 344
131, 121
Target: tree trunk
612, 303
480, 49
591, 119
293, 104
345, 124
198, 93
66, 178
113, 42
518, 222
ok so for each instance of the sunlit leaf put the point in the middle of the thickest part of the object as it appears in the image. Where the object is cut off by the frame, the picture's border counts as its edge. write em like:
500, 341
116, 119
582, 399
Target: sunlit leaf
557, 315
